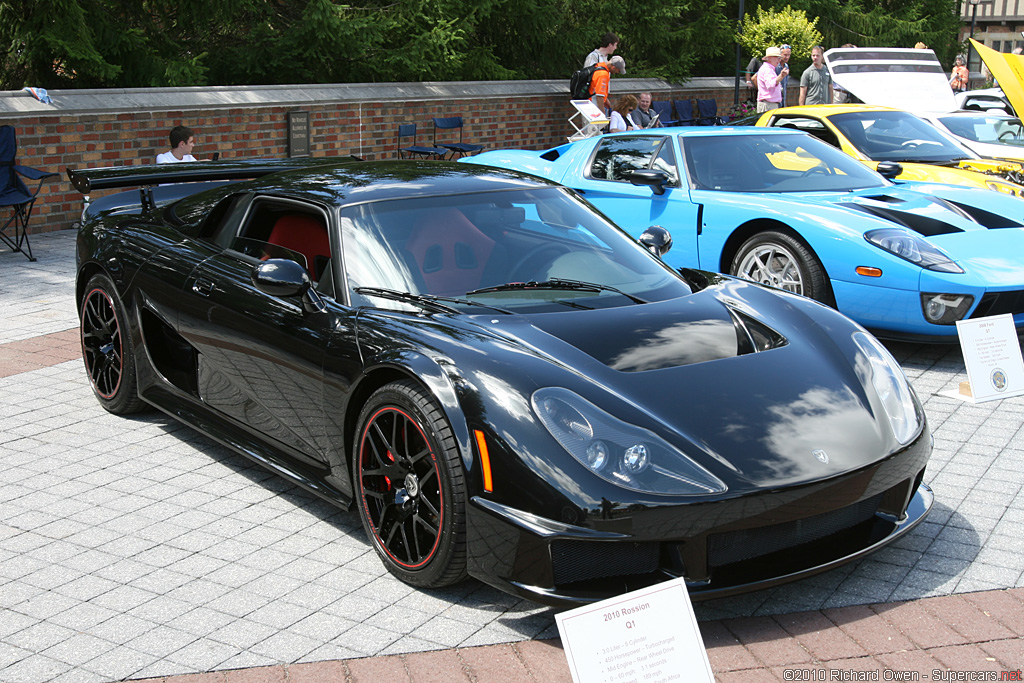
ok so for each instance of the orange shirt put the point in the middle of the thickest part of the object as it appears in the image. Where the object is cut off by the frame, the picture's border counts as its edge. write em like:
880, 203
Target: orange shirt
600, 81
959, 78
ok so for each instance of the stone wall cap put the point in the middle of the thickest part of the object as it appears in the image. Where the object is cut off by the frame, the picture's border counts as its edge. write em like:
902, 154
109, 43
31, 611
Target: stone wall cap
115, 100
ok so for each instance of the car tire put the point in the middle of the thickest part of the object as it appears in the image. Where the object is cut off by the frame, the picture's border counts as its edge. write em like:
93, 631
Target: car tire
410, 487
780, 260
107, 348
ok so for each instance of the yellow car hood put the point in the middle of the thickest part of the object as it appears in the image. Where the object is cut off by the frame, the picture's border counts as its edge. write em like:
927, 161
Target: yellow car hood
1008, 69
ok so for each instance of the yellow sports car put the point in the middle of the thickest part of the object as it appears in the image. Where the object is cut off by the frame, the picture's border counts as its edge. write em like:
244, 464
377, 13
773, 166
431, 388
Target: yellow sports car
875, 134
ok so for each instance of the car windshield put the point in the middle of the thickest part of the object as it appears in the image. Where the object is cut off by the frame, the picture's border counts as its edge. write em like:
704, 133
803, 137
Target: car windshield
513, 249
897, 136
999, 129
795, 162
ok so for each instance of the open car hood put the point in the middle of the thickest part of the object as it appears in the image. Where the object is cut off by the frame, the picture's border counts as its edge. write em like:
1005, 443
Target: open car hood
901, 78
1008, 70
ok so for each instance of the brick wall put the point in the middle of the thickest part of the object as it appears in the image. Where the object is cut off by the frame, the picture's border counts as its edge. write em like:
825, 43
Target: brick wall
87, 138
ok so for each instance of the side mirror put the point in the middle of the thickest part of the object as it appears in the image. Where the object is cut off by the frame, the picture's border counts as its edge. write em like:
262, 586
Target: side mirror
656, 180
285, 278
889, 169
657, 239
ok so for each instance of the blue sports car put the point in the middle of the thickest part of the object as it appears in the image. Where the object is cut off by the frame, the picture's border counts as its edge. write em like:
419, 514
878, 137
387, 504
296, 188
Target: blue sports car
783, 208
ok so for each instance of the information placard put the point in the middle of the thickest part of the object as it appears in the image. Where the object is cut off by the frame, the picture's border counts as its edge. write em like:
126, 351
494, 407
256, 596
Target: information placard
647, 636
590, 112
298, 134
992, 356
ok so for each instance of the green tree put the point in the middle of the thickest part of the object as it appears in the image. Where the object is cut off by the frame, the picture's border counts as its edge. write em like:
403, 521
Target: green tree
136, 43
885, 23
786, 26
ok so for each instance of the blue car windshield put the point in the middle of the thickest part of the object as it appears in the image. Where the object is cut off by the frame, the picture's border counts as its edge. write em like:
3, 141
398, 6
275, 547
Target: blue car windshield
897, 136
529, 249
795, 162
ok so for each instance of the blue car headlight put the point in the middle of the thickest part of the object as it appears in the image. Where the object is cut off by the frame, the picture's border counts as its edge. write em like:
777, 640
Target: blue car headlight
618, 452
892, 387
913, 248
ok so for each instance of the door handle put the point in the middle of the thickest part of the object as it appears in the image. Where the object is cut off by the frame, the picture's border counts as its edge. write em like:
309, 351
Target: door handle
202, 286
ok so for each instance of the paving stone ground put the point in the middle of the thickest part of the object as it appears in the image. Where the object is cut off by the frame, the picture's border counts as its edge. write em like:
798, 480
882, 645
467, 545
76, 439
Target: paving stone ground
139, 549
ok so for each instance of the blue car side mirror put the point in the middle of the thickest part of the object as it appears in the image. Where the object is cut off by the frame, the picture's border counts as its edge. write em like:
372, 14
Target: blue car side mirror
656, 180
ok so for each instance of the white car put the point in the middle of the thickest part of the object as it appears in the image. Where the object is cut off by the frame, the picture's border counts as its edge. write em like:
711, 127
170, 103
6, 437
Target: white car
915, 81
988, 134
992, 100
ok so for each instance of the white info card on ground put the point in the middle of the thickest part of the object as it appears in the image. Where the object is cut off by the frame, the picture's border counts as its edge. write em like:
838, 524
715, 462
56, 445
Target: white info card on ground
647, 636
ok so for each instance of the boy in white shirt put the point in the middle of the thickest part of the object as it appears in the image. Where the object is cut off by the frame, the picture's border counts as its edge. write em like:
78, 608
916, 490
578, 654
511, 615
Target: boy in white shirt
182, 142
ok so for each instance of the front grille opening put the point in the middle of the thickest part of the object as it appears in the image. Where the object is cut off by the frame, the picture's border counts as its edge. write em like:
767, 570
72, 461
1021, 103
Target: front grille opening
997, 303
744, 544
576, 561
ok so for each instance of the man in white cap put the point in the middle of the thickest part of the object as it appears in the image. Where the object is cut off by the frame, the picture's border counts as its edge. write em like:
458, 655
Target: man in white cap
600, 81
769, 83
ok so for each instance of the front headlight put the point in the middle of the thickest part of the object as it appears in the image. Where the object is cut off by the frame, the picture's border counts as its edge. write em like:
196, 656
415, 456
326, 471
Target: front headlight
618, 452
891, 386
913, 248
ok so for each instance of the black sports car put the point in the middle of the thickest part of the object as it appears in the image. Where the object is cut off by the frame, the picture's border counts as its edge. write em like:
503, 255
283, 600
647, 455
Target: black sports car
502, 382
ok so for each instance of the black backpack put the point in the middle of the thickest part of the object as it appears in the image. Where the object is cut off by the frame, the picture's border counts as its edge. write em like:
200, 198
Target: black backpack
579, 83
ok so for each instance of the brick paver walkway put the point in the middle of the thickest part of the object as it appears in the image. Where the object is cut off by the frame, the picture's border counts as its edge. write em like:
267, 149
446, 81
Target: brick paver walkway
136, 549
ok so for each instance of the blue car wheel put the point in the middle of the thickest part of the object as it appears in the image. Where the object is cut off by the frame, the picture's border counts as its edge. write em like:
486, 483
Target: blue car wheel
779, 260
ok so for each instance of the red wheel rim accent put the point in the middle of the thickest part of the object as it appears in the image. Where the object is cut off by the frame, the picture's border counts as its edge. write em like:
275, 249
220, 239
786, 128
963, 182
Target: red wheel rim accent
400, 488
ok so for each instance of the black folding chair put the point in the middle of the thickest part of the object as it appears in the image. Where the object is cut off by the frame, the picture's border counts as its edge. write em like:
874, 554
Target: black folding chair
15, 195
408, 130
461, 148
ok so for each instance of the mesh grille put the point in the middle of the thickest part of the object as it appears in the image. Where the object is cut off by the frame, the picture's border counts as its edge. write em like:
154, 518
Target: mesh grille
736, 546
581, 560
997, 303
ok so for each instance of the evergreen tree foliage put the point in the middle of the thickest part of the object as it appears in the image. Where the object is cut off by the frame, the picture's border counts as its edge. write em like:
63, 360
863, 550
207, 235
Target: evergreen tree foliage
143, 43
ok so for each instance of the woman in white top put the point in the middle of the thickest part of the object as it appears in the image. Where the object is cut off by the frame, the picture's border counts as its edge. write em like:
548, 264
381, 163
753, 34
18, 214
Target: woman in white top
620, 118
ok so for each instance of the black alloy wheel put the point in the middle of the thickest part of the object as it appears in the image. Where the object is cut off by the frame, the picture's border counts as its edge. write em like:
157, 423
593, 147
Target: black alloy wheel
410, 486
107, 348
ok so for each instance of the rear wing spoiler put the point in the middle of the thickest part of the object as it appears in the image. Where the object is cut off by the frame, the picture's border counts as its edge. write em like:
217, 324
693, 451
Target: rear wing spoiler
88, 179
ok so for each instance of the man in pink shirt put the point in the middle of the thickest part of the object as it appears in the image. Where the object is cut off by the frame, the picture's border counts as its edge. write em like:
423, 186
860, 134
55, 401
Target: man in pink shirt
769, 83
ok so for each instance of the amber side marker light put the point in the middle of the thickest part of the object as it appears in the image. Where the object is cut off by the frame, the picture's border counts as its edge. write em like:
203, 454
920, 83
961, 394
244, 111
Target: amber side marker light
485, 460
869, 271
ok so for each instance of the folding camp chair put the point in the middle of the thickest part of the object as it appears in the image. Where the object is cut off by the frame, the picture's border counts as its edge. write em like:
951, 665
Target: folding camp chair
664, 111
461, 148
684, 112
15, 195
707, 110
408, 130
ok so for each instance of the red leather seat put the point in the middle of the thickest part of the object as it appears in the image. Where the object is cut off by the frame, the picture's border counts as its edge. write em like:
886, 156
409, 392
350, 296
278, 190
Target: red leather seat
305, 235
451, 253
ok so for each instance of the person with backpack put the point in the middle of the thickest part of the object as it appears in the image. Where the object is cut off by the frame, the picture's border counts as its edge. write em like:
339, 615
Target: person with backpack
600, 80
602, 53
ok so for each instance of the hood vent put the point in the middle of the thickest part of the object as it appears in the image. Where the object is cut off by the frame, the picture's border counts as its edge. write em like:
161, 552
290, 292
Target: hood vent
923, 225
888, 199
753, 336
981, 217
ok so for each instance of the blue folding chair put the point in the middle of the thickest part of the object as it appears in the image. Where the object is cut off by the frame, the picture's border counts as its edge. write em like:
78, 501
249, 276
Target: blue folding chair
407, 130
15, 195
460, 148
707, 110
684, 112
664, 111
